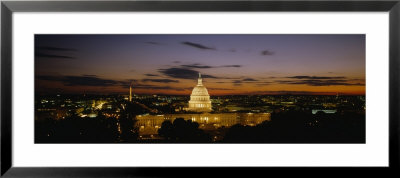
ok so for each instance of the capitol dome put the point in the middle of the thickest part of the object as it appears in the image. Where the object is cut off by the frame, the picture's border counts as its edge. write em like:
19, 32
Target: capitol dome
199, 91
200, 99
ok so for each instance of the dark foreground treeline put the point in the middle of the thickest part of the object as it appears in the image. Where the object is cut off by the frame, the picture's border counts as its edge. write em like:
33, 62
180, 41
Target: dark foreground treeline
300, 127
288, 127
85, 130
101, 129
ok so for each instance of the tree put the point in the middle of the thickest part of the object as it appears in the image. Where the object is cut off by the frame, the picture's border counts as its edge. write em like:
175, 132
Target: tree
127, 121
167, 130
183, 131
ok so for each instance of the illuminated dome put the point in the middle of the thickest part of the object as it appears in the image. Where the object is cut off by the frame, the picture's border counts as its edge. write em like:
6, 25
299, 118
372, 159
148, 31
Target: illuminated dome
200, 99
199, 91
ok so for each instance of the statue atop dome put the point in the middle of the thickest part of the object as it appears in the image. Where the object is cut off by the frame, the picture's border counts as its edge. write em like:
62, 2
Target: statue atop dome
199, 80
199, 99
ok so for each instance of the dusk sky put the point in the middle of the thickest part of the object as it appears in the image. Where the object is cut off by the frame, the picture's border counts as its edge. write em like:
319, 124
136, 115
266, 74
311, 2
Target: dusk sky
229, 64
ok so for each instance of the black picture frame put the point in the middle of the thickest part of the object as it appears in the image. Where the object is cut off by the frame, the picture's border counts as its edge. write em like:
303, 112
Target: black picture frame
8, 7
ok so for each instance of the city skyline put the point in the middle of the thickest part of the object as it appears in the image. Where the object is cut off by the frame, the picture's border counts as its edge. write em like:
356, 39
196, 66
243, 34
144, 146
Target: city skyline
229, 64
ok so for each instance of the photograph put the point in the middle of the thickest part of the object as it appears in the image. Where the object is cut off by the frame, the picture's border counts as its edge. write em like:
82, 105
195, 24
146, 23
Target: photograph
199, 88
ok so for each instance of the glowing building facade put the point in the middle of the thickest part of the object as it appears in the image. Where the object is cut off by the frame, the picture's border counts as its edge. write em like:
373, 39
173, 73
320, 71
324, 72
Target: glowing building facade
200, 99
149, 124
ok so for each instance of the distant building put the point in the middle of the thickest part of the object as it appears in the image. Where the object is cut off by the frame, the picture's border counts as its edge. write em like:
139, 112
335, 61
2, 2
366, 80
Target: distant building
199, 99
326, 111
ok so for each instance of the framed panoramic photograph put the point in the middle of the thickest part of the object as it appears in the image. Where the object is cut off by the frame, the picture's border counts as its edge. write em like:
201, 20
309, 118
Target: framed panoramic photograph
143, 89
112, 89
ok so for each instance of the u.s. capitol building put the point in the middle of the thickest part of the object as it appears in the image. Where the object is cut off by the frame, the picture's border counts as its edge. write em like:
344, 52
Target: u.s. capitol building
200, 108
199, 99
